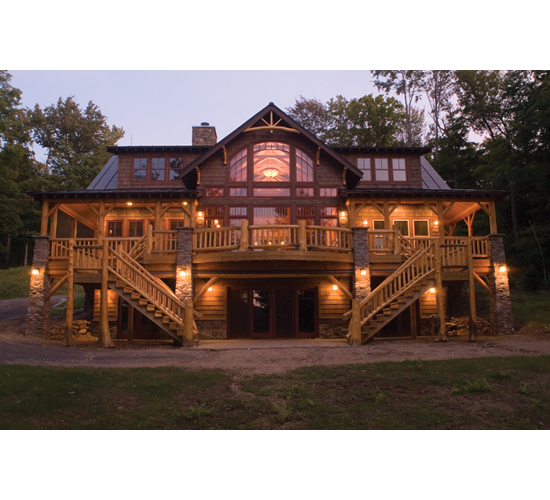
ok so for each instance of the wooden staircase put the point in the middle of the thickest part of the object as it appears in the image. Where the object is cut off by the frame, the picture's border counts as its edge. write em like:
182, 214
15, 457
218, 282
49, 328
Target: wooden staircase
397, 292
148, 294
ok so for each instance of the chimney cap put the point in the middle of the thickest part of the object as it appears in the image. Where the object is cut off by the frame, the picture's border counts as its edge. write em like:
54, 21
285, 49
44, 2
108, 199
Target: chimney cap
205, 124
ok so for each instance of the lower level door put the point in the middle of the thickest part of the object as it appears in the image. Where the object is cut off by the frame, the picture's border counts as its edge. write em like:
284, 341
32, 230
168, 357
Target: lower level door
272, 313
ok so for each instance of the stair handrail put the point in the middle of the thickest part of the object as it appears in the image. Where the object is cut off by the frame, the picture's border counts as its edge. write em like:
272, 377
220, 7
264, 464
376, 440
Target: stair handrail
406, 284
138, 249
163, 289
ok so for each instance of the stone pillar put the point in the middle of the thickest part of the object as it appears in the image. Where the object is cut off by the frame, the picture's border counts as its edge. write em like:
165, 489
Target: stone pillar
184, 275
39, 308
361, 263
502, 321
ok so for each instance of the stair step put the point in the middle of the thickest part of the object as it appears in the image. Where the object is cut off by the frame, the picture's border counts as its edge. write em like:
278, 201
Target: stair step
136, 296
387, 312
128, 289
119, 284
143, 302
158, 314
174, 326
394, 305
165, 320
150, 308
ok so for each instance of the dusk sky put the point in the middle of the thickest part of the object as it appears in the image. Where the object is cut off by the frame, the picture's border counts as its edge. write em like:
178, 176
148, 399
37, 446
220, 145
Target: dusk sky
160, 107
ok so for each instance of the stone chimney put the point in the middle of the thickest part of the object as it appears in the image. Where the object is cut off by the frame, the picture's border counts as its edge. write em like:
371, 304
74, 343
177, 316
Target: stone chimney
205, 135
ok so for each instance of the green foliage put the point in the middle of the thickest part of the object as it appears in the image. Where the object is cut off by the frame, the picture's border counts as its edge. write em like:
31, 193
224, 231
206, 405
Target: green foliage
478, 385
366, 121
76, 140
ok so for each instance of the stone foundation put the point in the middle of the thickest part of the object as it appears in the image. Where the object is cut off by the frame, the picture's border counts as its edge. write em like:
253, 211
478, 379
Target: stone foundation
502, 321
362, 283
38, 310
184, 276
212, 329
332, 328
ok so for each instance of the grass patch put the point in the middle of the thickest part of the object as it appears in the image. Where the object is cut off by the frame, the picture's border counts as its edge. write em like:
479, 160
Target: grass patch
61, 309
486, 393
531, 308
15, 283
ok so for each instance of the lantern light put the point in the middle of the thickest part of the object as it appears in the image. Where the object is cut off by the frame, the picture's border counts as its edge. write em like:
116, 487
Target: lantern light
210, 289
363, 272
182, 274
334, 287
432, 290
502, 269
35, 272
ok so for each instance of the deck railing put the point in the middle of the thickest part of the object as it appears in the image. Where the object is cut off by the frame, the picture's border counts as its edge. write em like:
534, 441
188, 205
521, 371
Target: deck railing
280, 237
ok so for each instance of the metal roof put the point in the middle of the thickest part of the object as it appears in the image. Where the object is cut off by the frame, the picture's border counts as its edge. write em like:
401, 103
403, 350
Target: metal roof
430, 178
106, 179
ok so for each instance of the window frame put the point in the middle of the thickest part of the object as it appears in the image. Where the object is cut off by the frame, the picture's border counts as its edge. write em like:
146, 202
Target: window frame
408, 225
427, 221
404, 170
387, 169
167, 170
369, 170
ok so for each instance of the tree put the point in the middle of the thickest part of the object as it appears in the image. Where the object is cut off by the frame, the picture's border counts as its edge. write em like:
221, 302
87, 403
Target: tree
18, 168
364, 121
76, 141
406, 83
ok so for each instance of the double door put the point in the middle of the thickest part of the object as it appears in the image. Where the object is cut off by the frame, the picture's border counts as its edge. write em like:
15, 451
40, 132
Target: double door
267, 313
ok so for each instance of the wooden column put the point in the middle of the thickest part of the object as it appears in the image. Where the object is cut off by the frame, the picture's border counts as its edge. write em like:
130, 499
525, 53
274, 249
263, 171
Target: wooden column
441, 225
387, 224
493, 217
440, 295
302, 235
104, 331
53, 227
471, 293
101, 222
44, 221
243, 245
355, 323
70, 298
158, 216
187, 340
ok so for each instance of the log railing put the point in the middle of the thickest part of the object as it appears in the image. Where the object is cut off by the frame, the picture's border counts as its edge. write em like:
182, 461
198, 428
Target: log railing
269, 236
60, 246
164, 241
329, 238
480, 246
409, 275
219, 238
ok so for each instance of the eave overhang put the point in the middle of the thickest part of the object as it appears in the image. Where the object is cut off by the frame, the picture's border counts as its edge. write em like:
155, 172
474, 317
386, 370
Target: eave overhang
113, 194
444, 194
156, 149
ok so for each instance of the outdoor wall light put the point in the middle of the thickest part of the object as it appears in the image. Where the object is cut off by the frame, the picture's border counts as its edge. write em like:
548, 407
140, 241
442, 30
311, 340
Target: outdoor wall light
365, 223
343, 217
185, 203
502, 269
200, 217
334, 287
182, 274
129, 203
436, 223
432, 290
363, 272
35, 272
211, 288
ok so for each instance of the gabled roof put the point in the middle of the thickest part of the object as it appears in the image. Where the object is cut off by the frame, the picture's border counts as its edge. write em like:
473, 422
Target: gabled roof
284, 122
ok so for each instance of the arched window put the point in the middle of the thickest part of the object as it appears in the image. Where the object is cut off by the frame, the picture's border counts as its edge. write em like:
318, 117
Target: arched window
304, 167
271, 162
237, 167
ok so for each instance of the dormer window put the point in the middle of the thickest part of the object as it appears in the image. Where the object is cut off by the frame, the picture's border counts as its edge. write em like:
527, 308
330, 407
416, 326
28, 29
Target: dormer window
363, 164
157, 169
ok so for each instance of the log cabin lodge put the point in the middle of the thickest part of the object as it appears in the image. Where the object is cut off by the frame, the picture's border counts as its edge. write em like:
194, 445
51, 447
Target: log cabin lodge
268, 233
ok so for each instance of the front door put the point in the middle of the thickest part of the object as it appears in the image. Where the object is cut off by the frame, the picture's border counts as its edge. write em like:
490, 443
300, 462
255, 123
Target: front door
266, 313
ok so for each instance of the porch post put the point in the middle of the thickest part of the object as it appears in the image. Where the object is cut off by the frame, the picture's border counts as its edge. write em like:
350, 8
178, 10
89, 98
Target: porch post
502, 321
184, 263
362, 286
39, 286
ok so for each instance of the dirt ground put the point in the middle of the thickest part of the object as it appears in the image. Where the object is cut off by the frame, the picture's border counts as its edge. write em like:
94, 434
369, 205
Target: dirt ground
256, 356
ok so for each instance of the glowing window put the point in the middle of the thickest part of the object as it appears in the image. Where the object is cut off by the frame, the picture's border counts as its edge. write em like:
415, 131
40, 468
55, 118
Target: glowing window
304, 167
215, 192
302, 191
237, 167
271, 215
271, 162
